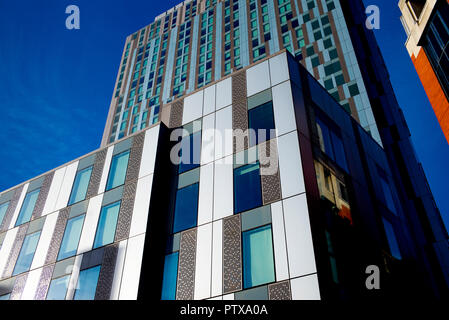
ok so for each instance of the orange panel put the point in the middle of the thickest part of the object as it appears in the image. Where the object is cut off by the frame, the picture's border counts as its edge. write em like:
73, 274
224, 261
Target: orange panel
433, 89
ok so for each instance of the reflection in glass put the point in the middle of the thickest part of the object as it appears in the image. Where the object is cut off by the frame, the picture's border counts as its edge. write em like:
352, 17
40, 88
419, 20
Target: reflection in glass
258, 265
80, 185
117, 172
71, 237
27, 253
27, 208
107, 225
170, 276
87, 284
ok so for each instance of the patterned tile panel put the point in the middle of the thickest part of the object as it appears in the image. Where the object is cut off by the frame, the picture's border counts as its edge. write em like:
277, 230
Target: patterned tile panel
135, 157
106, 277
126, 211
177, 110
280, 291
232, 254
269, 170
43, 193
11, 208
58, 233
19, 285
14, 254
44, 283
186, 268
239, 110
97, 171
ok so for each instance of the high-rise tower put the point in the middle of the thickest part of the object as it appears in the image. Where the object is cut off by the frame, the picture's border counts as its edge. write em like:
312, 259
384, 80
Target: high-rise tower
427, 26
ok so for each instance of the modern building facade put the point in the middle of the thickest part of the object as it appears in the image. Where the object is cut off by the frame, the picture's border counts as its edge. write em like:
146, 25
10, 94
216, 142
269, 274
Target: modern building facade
427, 26
198, 42
254, 183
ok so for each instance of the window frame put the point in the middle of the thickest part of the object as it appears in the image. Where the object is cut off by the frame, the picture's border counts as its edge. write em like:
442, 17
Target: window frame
108, 188
72, 202
273, 264
102, 211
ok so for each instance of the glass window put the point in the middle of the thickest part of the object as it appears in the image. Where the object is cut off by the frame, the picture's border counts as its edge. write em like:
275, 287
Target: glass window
325, 139
71, 237
247, 178
117, 173
331, 144
186, 208
170, 277
261, 118
339, 151
3, 209
388, 195
87, 284
191, 146
27, 253
392, 241
80, 186
27, 207
58, 288
258, 263
107, 225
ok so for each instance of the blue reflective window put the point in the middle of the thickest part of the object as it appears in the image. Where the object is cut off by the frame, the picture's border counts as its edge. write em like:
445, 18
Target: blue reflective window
261, 118
331, 144
170, 276
87, 284
340, 155
190, 152
247, 178
26, 253
80, 186
5, 296
27, 207
58, 288
186, 208
117, 172
107, 225
71, 237
388, 195
325, 138
3, 209
392, 241
258, 262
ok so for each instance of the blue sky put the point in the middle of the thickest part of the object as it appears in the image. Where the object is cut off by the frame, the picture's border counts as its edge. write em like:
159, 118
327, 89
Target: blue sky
56, 84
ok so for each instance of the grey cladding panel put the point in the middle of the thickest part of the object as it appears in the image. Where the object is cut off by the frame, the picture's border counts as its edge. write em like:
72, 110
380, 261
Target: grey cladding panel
106, 277
58, 233
232, 254
11, 208
97, 171
186, 268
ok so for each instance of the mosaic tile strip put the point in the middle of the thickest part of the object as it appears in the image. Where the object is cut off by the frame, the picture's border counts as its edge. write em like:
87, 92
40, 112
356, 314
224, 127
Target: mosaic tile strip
44, 283
269, 170
135, 157
42, 198
106, 277
126, 211
58, 233
97, 171
11, 208
280, 291
19, 285
177, 109
239, 110
14, 254
232, 255
186, 268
